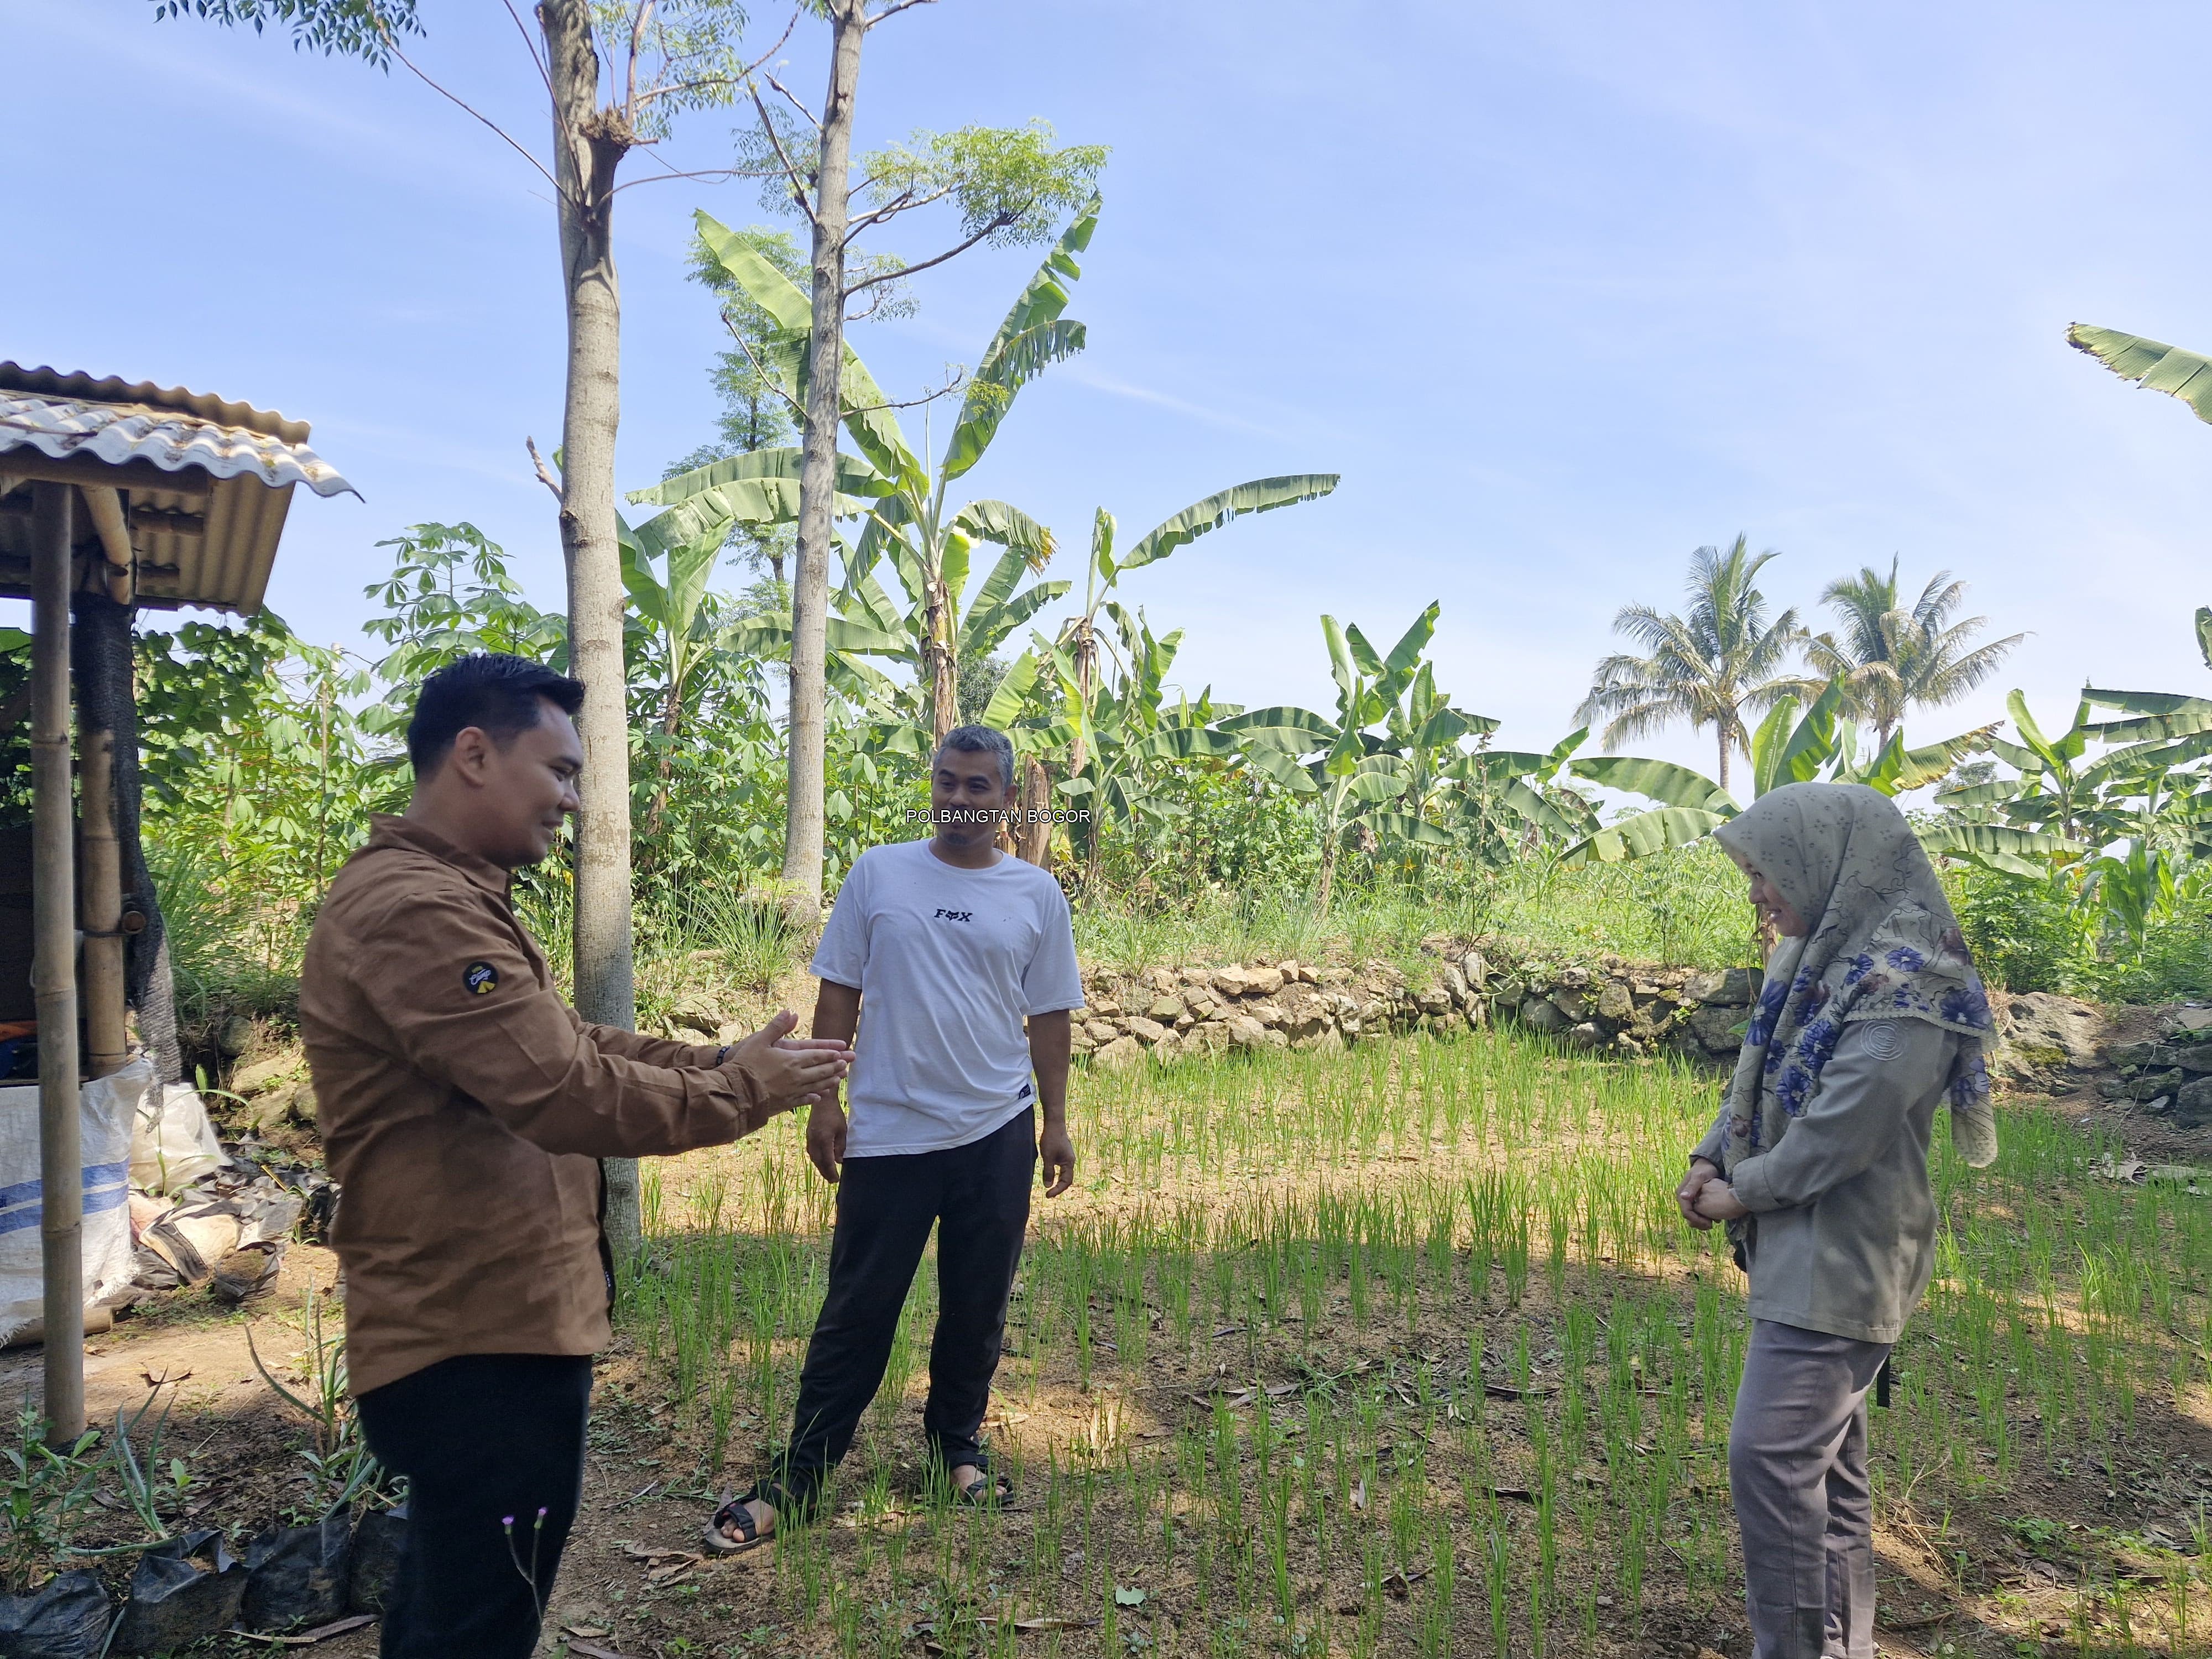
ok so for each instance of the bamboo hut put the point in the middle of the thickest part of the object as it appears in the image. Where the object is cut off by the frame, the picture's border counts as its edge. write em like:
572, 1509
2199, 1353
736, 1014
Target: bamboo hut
114, 496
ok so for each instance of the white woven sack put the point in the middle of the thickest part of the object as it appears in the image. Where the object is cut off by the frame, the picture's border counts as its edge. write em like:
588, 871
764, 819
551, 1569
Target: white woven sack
108, 1108
173, 1144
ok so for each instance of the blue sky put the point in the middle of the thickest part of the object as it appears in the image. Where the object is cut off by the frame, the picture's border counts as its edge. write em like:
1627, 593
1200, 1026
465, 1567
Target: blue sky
1563, 292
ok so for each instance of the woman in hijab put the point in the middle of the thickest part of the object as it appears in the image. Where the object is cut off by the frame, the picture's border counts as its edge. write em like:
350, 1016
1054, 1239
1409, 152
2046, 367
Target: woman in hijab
1871, 1016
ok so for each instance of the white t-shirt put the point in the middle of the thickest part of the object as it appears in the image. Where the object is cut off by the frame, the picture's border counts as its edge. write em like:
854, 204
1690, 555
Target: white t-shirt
949, 963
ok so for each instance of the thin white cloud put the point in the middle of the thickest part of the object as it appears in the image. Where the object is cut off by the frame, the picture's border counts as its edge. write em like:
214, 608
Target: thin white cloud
1097, 381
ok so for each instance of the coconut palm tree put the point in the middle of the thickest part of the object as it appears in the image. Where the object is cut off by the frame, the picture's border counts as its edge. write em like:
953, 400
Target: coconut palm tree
1891, 656
1708, 666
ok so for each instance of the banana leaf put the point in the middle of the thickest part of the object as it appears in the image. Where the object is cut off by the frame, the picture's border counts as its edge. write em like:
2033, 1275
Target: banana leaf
2151, 364
1661, 780
1646, 833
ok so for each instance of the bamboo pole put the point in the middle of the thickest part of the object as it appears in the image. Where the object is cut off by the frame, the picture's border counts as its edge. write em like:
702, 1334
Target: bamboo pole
54, 965
105, 1034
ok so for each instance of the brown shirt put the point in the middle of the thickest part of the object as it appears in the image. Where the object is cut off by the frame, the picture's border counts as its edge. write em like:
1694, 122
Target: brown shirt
463, 1106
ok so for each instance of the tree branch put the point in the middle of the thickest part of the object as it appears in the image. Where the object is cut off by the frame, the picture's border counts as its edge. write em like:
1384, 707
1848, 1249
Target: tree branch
891, 11
902, 202
530, 45
544, 472
789, 98
460, 104
797, 180
997, 224
637, 22
713, 174
760, 369
958, 379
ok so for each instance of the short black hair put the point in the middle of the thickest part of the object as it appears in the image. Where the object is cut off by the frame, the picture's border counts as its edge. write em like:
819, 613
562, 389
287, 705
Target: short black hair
983, 740
499, 695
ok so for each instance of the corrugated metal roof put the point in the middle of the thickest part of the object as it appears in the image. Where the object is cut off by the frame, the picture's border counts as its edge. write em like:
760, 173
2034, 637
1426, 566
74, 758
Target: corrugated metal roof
209, 539
65, 415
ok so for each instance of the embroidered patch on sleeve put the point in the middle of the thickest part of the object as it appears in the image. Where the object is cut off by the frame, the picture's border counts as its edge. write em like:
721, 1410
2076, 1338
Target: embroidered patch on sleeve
481, 977
1881, 1039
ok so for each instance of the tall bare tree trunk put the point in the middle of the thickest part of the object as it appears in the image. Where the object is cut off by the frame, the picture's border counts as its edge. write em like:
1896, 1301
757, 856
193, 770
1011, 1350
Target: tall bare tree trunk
941, 663
818, 472
588, 145
1033, 836
1724, 779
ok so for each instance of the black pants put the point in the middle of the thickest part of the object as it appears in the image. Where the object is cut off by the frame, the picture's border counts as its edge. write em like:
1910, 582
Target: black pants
489, 1443
979, 1193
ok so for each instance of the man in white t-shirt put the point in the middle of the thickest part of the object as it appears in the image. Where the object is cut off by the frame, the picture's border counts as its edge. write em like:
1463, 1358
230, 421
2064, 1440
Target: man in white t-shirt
962, 959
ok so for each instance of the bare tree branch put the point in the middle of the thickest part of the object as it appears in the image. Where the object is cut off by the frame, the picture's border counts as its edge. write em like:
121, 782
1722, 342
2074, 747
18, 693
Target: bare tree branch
893, 10
997, 224
544, 472
637, 22
714, 175
902, 202
530, 45
958, 379
791, 98
791, 172
768, 379
460, 104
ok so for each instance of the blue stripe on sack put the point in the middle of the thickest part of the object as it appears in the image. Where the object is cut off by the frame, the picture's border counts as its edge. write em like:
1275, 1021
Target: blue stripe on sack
105, 1187
30, 1215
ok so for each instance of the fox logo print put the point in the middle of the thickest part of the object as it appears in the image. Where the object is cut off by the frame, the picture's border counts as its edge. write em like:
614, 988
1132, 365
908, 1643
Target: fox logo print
944, 914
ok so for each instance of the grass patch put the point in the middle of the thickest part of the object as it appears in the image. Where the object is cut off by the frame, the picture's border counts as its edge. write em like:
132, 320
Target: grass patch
1404, 1351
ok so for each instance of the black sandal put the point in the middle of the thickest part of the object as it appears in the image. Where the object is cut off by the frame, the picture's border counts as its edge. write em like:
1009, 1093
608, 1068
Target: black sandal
731, 1511
986, 1490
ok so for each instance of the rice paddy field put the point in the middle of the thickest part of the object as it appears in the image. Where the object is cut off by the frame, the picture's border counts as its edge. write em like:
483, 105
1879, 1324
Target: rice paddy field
1404, 1351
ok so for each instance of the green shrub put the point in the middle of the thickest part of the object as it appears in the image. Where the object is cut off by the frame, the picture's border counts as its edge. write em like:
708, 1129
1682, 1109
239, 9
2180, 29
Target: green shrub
2026, 935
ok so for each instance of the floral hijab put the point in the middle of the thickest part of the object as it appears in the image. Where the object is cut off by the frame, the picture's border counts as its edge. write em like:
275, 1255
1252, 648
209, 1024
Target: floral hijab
1883, 945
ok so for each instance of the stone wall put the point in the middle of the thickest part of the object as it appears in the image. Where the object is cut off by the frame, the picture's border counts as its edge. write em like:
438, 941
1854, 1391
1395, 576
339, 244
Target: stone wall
1166, 1014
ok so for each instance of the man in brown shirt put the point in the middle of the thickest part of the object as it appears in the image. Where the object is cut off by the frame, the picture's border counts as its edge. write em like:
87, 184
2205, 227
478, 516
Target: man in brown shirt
463, 1106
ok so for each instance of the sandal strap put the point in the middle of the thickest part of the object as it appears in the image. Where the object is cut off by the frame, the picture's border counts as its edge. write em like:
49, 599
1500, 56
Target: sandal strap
734, 1509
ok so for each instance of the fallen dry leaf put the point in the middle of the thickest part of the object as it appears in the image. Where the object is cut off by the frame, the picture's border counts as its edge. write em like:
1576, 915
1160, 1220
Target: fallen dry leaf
1401, 1584
648, 1552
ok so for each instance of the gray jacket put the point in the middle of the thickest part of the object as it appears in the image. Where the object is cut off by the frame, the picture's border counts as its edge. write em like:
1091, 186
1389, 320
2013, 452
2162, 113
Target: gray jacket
1843, 1228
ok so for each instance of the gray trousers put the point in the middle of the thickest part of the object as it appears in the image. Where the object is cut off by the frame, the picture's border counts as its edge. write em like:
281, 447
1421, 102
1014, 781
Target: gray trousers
1798, 1468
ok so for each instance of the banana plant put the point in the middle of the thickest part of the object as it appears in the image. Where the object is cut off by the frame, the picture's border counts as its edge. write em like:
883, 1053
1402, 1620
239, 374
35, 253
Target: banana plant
1353, 772
909, 525
2057, 791
1425, 732
1125, 728
672, 610
1791, 745
2137, 888
1103, 571
1510, 801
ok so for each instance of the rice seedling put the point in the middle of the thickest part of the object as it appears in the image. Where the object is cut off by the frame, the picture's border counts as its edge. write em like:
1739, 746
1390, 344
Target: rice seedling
1404, 1350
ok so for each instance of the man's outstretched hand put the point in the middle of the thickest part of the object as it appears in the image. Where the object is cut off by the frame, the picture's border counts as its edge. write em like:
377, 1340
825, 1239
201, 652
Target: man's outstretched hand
792, 1072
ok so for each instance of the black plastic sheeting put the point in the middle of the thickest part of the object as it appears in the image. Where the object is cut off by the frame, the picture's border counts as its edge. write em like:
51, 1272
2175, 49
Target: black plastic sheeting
65, 1618
377, 1541
297, 1576
189, 1588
